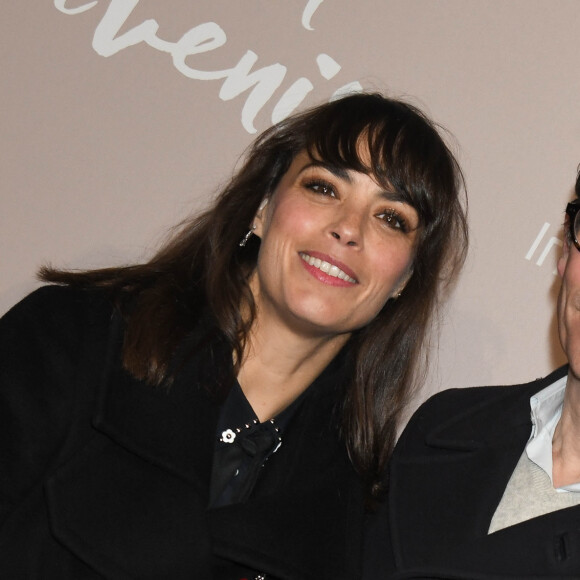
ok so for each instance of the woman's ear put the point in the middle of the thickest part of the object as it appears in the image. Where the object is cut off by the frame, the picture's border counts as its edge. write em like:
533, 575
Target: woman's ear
259, 218
401, 286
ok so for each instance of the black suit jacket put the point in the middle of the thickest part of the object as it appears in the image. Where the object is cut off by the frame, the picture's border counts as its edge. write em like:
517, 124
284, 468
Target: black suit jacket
104, 476
447, 476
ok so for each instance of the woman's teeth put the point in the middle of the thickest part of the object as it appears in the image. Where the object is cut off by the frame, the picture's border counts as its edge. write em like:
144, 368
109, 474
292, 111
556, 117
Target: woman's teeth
327, 268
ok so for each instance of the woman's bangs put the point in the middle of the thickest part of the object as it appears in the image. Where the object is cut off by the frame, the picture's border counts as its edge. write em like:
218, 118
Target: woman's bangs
382, 144
338, 143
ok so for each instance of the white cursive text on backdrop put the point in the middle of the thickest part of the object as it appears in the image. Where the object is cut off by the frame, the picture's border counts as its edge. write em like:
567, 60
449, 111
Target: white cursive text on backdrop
209, 36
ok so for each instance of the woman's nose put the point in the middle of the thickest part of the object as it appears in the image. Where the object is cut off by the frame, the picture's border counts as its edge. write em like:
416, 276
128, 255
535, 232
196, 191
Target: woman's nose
336, 236
348, 229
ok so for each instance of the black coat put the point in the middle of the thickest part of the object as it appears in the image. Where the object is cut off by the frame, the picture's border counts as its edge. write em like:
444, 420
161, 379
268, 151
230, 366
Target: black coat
447, 477
104, 476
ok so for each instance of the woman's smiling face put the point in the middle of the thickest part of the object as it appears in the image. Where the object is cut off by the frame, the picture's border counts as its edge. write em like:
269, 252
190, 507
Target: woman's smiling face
335, 247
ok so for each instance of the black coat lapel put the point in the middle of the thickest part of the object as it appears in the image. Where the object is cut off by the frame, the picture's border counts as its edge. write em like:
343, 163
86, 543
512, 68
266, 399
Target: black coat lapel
171, 426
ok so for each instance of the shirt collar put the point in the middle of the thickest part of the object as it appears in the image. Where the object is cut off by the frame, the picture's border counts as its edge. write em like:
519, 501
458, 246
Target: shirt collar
546, 409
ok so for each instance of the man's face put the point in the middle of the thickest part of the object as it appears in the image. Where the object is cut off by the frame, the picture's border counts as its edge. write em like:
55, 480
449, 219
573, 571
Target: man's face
569, 306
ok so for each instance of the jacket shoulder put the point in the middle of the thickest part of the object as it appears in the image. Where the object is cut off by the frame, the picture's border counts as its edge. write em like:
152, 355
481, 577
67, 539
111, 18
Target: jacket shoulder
53, 302
50, 323
454, 404
452, 400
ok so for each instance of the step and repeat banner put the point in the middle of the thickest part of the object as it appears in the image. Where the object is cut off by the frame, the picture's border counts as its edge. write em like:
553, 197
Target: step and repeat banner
121, 117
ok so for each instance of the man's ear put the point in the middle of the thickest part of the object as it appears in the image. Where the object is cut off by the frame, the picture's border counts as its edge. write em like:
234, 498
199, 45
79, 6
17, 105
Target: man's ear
259, 218
563, 259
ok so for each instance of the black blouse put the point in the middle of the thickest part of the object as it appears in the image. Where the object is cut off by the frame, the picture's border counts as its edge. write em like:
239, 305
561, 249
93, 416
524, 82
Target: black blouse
243, 446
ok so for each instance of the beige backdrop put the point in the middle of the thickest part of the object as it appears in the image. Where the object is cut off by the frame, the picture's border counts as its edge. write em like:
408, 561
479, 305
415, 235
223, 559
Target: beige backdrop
119, 117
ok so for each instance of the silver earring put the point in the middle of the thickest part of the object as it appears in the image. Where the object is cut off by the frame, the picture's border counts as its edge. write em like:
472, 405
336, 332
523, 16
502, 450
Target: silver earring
245, 239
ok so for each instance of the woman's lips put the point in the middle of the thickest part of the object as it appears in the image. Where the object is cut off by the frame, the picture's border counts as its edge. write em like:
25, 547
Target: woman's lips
331, 269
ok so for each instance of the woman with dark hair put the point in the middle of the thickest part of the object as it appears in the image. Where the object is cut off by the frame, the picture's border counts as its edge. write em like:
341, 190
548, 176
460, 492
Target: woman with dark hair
227, 409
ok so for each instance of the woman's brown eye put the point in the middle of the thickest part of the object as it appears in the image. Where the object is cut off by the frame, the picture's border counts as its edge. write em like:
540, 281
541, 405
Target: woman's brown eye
321, 187
394, 220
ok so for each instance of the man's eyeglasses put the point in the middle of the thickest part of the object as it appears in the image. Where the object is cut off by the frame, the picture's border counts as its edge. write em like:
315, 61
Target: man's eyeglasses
573, 211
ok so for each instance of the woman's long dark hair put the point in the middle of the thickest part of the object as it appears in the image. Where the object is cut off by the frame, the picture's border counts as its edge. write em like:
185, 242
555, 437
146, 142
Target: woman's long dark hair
202, 264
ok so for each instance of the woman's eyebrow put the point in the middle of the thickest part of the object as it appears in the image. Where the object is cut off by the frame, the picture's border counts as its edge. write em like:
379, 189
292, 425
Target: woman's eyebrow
394, 195
339, 172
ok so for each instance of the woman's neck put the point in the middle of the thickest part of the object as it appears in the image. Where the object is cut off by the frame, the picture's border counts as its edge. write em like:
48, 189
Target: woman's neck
279, 364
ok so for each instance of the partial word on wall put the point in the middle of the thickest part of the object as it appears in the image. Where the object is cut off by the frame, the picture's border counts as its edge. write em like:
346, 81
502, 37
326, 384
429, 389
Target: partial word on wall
541, 248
